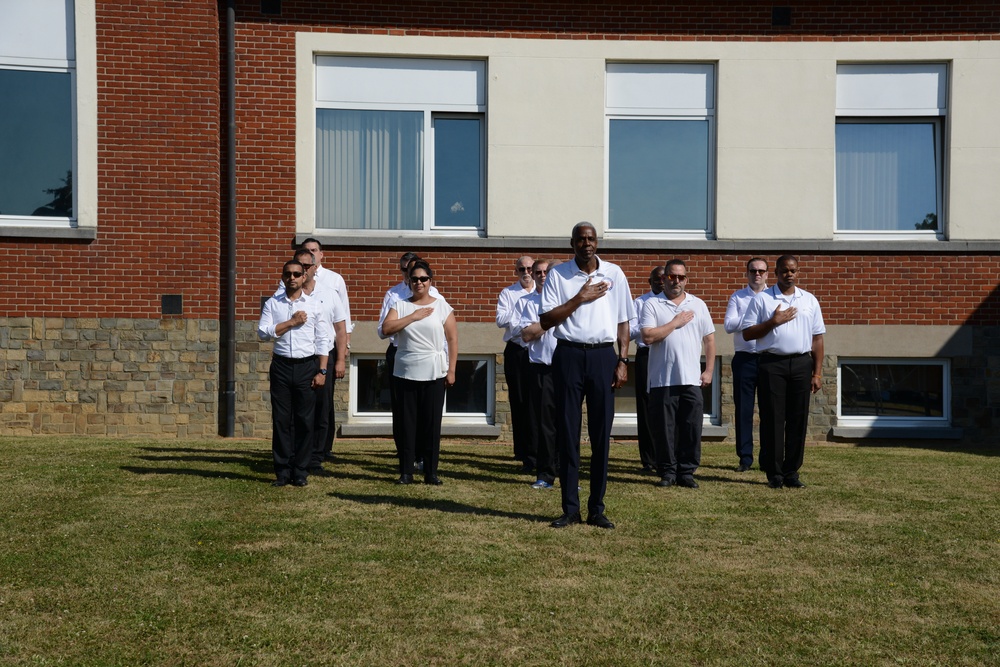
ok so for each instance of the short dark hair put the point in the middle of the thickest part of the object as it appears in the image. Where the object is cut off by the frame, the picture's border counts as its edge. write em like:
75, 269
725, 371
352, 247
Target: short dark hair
786, 258
291, 262
302, 252
420, 264
537, 263
675, 262
311, 240
408, 257
757, 259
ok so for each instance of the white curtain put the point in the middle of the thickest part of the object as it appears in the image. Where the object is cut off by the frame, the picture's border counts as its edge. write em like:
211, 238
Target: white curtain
369, 169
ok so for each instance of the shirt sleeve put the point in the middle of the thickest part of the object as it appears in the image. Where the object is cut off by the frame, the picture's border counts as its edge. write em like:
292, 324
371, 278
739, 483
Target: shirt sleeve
634, 332
731, 323
323, 338
626, 308
267, 324
707, 326
505, 308
819, 327
647, 318
754, 312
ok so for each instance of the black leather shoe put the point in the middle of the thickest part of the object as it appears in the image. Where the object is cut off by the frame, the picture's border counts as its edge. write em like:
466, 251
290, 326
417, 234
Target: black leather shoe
432, 480
666, 481
687, 482
600, 521
743, 467
300, 481
775, 482
281, 481
405, 479
794, 483
566, 520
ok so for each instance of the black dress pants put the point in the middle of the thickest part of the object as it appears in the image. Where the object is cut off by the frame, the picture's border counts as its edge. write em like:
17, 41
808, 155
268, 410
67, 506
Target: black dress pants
293, 405
785, 386
542, 418
744, 366
676, 414
647, 450
325, 428
421, 408
515, 368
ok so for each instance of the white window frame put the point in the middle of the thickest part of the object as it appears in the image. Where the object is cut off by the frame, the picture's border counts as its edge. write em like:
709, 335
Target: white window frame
714, 418
427, 90
892, 93
894, 421
449, 418
80, 63
683, 92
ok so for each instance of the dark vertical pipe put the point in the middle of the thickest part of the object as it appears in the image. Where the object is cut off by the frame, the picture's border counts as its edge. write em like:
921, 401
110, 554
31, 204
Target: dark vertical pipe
227, 401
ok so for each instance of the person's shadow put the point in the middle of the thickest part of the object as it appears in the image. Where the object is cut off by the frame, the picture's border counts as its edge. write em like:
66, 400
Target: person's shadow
437, 505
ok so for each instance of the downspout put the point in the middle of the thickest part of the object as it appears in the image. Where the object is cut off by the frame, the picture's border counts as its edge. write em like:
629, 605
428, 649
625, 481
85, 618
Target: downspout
227, 399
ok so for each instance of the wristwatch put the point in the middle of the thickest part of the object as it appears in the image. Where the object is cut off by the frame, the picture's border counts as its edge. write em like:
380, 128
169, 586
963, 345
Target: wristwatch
623, 360
322, 371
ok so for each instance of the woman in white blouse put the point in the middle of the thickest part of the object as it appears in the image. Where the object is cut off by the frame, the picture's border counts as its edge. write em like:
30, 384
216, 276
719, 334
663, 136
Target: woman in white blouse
427, 335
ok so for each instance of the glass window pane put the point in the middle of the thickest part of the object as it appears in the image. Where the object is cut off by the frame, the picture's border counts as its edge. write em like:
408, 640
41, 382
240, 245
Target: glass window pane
658, 174
373, 386
891, 390
625, 396
458, 178
887, 176
470, 393
369, 169
36, 143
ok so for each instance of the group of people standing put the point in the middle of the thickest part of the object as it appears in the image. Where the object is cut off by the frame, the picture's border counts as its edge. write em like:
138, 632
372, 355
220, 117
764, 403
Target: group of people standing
567, 331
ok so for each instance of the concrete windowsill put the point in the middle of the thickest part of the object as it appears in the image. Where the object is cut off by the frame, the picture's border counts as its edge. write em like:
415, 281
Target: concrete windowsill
449, 430
897, 432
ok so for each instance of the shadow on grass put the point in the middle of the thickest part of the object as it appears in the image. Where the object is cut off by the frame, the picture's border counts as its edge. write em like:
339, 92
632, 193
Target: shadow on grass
447, 506
209, 474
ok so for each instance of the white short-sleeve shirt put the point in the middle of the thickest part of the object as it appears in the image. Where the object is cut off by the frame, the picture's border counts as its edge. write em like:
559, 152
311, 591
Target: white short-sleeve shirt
794, 336
422, 354
596, 321
676, 360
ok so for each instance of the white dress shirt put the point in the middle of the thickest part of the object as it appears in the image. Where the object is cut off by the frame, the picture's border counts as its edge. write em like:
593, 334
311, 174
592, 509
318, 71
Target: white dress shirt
595, 321
312, 337
330, 281
794, 336
509, 296
737, 306
634, 330
676, 360
526, 312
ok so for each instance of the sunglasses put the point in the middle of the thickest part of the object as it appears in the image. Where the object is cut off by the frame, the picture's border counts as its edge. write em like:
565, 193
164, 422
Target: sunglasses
419, 279
523, 269
291, 274
756, 270
308, 266
675, 278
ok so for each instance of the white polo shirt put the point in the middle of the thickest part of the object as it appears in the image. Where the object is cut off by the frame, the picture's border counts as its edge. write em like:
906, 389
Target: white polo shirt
634, 330
509, 296
676, 360
735, 309
794, 336
526, 312
596, 321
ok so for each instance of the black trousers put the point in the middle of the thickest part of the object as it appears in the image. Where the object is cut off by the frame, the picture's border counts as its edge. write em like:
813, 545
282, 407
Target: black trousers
293, 405
583, 374
744, 366
676, 415
542, 418
421, 408
647, 451
785, 383
515, 368
325, 426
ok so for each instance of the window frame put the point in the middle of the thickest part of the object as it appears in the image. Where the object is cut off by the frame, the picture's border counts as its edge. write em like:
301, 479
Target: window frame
630, 105
890, 420
898, 96
713, 418
449, 418
431, 112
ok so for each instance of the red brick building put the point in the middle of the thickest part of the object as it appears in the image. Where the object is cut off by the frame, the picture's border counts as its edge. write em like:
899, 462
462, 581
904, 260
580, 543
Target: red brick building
859, 136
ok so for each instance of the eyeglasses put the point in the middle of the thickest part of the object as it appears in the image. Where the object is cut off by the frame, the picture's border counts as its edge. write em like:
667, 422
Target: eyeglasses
308, 266
674, 278
291, 274
523, 269
419, 279
756, 270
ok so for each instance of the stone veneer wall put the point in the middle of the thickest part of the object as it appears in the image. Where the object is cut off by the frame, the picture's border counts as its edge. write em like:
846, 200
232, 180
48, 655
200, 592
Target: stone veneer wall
113, 377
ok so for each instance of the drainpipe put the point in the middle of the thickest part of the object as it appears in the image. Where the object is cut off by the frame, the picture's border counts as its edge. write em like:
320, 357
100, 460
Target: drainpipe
227, 381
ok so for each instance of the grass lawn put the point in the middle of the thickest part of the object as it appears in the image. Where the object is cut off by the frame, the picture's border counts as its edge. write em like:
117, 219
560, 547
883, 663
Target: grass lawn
180, 553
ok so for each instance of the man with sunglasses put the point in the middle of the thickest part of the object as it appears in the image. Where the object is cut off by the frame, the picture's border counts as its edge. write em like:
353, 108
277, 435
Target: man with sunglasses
296, 322
745, 360
515, 362
677, 327
787, 324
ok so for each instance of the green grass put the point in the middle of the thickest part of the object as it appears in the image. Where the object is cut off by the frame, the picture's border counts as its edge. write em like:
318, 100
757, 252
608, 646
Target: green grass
180, 553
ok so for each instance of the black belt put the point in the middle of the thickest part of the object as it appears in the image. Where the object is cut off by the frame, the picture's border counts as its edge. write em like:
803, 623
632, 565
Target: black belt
293, 360
772, 355
583, 346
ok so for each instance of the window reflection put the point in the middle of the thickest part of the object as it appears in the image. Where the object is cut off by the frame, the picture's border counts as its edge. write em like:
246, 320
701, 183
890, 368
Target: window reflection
457, 172
892, 390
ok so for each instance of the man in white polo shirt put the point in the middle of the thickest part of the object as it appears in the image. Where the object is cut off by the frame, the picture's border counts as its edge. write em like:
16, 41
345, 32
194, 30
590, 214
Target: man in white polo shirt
676, 326
787, 324
588, 303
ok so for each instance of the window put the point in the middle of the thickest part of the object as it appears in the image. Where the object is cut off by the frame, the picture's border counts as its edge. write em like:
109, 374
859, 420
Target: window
625, 397
469, 401
890, 147
400, 144
37, 132
661, 128
882, 392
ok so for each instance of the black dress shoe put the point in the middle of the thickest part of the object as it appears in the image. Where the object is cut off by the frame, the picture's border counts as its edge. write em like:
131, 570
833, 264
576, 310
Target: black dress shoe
775, 482
743, 467
566, 520
281, 481
794, 483
328, 457
600, 521
665, 481
405, 479
300, 481
687, 482
432, 480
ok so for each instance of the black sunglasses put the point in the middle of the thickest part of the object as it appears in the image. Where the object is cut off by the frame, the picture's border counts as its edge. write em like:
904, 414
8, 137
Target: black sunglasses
291, 274
419, 279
